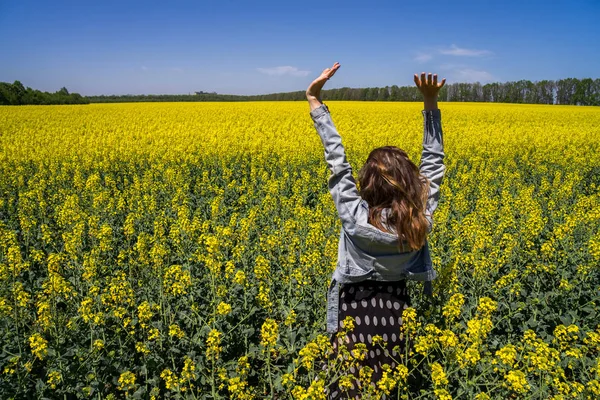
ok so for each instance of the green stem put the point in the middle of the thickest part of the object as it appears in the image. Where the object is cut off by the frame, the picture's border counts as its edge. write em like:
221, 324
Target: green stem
269, 371
212, 379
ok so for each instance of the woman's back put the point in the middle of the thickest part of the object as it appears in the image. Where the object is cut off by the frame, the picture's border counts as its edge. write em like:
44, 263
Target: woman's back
369, 281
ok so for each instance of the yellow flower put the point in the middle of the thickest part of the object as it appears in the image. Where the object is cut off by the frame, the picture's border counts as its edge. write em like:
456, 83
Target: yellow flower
5, 308
261, 267
236, 387
44, 314
188, 374
170, 378
118, 294
515, 380
269, 332
365, 374
348, 324
213, 344
39, 345
359, 351
243, 366
425, 343
223, 308
144, 314
308, 354
377, 339
141, 347
12, 365
507, 354
478, 329
240, 278
410, 326
593, 387
229, 268
472, 355
98, 344
263, 296
54, 378
565, 285
175, 331
592, 340
299, 393
346, 383
442, 394
448, 339
127, 381
21, 296
438, 376
176, 280
566, 335
401, 372
388, 381
486, 306
290, 319
222, 290
316, 390
153, 333
594, 247
287, 380
453, 308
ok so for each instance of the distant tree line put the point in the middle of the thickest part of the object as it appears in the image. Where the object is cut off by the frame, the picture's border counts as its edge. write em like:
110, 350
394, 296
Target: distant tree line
16, 94
585, 92
574, 91
136, 98
564, 91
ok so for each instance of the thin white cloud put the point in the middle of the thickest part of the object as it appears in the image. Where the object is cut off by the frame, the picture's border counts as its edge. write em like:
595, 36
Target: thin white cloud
144, 68
465, 74
177, 69
283, 70
454, 50
472, 75
423, 57
468, 75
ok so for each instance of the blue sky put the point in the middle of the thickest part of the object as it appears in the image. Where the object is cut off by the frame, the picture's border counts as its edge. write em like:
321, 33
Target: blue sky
254, 47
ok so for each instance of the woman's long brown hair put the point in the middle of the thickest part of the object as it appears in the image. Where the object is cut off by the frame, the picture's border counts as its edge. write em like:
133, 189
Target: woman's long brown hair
389, 179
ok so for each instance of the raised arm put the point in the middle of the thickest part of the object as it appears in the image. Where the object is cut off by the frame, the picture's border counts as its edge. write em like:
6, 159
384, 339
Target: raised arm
342, 185
432, 157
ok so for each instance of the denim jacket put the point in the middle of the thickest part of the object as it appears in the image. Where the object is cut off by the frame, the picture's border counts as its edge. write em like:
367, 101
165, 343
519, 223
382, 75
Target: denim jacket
364, 251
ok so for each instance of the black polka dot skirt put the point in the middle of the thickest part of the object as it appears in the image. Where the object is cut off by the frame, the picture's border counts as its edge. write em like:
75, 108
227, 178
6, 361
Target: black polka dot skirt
376, 308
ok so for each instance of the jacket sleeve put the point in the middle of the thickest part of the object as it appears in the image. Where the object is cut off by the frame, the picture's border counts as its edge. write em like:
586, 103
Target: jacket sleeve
342, 185
432, 159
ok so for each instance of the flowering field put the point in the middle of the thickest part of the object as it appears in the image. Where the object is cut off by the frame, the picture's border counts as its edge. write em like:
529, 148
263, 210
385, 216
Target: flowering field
184, 251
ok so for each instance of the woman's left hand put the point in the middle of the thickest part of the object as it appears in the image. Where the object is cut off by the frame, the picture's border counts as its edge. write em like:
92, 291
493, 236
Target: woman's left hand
313, 93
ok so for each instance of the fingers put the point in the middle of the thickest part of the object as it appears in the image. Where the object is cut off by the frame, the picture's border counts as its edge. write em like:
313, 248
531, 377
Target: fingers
417, 81
329, 72
428, 80
333, 69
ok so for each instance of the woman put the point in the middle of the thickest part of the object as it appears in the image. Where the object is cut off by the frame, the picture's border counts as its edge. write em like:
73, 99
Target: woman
383, 240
